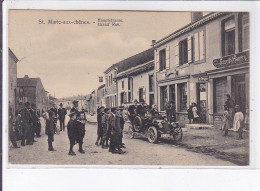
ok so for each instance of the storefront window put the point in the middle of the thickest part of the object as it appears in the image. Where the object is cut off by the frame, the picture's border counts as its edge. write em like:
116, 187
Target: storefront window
163, 95
183, 96
172, 93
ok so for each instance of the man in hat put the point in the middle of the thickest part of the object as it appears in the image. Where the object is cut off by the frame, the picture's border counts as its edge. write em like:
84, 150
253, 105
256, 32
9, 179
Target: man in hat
71, 132
50, 130
79, 126
109, 129
105, 127
62, 113
26, 125
116, 132
99, 127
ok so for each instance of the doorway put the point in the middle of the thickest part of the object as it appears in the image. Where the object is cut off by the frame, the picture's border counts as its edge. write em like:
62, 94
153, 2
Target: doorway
239, 90
202, 102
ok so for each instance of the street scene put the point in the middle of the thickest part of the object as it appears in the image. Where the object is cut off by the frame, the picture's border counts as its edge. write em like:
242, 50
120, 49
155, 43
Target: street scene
115, 88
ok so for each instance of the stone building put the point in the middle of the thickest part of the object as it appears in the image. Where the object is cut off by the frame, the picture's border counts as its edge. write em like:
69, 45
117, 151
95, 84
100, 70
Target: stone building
31, 90
12, 85
202, 62
110, 86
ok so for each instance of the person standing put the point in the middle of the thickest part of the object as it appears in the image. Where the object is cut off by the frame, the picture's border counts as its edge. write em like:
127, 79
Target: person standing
109, 124
105, 127
50, 130
132, 112
226, 120
238, 122
79, 126
62, 113
122, 123
11, 129
195, 113
26, 122
190, 114
99, 127
71, 132
230, 105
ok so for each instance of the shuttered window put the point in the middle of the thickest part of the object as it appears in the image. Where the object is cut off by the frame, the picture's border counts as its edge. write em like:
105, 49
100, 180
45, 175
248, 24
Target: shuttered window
183, 52
162, 59
220, 87
199, 46
245, 32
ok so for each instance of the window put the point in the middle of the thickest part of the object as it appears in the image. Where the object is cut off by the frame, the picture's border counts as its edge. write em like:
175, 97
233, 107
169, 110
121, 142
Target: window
123, 84
183, 52
245, 32
183, 96
229, 34
151, 83
151, 99
130, 89
162, 59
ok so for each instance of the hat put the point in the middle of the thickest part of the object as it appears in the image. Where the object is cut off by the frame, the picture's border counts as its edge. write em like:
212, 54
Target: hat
75, 101
61, 104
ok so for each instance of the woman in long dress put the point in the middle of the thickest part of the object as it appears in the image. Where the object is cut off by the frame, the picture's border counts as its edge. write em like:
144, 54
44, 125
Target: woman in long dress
238, 121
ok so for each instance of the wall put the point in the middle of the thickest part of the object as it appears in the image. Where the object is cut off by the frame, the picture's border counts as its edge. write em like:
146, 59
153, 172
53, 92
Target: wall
12, 82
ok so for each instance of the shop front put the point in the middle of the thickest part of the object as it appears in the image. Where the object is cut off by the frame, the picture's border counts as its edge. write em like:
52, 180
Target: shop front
231, 78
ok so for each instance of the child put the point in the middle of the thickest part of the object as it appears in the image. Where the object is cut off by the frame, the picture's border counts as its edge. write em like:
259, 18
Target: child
226, 120
71, 132
238, 121
50, 130
195, 113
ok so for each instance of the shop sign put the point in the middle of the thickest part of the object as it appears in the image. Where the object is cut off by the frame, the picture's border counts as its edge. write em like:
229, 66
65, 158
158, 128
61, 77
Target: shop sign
234, 59
203, 79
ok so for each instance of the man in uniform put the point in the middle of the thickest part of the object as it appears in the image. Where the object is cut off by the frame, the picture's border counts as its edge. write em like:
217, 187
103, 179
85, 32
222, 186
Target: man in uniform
71, 132
33, 121
26, 122
122, 123
99, 127
62, 113
79, 126
50, 130
109, 128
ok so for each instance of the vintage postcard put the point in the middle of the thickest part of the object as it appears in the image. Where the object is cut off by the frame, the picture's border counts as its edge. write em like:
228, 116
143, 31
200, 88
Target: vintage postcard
163, 88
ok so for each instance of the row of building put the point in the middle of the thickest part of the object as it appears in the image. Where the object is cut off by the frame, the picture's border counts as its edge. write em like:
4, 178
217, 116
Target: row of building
200, 63
22, 90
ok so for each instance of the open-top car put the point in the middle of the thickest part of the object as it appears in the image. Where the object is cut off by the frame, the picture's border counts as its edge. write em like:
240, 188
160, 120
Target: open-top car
154, 128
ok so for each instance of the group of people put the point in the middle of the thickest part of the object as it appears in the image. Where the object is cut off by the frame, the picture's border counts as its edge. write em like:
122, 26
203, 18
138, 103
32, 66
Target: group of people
25, 126
110, 125
234, 118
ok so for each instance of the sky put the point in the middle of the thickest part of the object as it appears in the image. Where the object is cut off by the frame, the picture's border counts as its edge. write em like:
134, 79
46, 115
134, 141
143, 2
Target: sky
69, 57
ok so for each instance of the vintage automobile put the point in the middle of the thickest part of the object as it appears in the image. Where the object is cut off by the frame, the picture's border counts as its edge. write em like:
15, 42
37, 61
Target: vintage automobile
154, 128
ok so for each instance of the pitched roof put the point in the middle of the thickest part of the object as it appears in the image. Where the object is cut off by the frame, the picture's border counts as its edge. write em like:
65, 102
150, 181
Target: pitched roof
138, 59
27, 82
13, 55
135, 60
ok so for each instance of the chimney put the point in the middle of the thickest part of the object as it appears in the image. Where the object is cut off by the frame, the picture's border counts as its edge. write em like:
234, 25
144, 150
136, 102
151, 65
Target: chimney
153, 42
195, 16
26, 76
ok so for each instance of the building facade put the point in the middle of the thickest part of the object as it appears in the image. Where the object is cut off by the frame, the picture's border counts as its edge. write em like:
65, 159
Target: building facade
100, 98
136, 80
201, 63
31, 90
111, 86
12, 88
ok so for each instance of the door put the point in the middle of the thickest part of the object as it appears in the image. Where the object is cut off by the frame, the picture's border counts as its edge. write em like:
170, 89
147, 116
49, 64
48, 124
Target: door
202, 101
239, 90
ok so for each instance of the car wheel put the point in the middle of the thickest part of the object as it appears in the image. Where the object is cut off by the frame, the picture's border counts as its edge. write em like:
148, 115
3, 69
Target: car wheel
131, 133
177, 136
152, 134
137, 124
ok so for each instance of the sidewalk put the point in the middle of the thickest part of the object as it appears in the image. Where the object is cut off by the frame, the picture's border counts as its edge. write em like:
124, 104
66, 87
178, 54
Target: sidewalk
211, 141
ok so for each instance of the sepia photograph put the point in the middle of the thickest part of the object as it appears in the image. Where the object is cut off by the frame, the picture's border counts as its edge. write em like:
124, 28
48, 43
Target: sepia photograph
142, 88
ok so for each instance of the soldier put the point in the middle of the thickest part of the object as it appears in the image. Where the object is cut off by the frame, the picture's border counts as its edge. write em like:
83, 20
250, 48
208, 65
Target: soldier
62, 113
50, 130
71, 132
26, 122
34, 121
99, 127
79, 127
105, 127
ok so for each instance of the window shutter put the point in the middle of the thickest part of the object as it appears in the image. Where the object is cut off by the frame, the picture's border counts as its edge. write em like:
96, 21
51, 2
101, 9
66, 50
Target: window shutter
189, 49
202, 45
167, 58
176, 52
196, 47
157, 67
